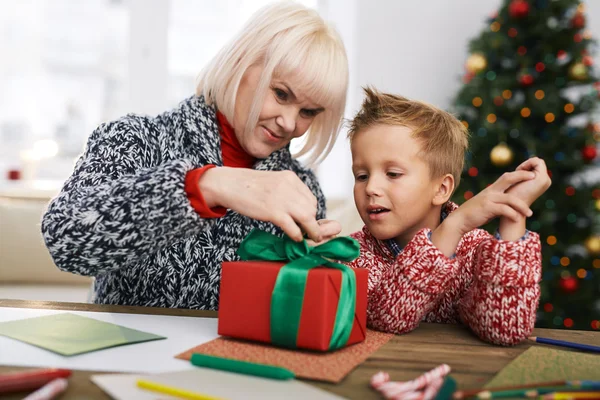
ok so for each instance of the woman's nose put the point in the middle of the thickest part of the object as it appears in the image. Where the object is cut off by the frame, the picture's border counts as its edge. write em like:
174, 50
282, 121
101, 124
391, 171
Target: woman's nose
287, 119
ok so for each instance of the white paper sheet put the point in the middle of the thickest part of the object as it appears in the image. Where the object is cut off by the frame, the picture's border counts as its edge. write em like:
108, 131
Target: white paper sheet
150, 357
224, 385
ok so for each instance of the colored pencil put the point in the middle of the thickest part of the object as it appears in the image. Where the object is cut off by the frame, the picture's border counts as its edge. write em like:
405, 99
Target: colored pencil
562, 343
540, 386
571, 395
463, 394
173, 391
530, 393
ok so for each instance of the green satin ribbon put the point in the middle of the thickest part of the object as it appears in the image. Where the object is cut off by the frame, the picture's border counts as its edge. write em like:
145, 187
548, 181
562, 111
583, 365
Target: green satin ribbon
288, 293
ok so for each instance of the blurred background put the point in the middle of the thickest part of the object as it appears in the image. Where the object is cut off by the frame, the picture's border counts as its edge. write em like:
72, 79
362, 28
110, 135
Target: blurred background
69, 65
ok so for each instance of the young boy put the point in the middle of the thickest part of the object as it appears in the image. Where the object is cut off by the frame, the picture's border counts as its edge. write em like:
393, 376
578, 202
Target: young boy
428, 260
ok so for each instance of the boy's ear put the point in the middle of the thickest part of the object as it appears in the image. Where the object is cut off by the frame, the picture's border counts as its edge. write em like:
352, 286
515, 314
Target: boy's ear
445, 187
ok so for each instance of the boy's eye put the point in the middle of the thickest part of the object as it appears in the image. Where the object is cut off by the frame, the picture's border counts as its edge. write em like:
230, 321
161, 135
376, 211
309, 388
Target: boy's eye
361, 177
394, 174
281, 94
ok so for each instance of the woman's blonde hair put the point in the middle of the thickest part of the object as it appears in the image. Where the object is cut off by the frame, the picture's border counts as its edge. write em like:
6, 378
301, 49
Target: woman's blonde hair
288, 39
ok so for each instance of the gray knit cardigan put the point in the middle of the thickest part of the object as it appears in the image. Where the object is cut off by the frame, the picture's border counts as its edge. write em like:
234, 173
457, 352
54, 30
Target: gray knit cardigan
123, 216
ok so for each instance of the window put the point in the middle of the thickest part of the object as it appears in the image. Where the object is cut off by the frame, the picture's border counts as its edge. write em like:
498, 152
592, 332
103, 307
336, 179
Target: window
63, 71
70, 65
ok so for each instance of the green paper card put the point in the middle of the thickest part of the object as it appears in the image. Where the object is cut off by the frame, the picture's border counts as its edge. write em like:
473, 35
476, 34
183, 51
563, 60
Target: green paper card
70, 334
543, 364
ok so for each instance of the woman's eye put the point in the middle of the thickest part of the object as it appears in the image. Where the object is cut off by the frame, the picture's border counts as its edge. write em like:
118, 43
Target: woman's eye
281, 94
309, 113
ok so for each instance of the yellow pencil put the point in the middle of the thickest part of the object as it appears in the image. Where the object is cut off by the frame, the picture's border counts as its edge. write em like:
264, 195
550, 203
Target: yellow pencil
571, 395
173, 391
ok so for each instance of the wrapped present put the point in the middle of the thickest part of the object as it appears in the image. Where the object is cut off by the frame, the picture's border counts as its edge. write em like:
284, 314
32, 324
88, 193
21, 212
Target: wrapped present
293, 295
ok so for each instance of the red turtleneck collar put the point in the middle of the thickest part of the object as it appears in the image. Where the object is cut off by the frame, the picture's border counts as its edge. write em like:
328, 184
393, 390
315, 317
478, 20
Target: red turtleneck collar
233, 153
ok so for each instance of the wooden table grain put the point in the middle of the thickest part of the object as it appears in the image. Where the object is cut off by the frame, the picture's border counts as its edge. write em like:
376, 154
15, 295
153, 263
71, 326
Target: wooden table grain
404, 357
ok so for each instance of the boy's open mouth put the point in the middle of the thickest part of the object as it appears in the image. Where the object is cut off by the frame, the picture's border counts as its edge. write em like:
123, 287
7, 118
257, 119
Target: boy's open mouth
378, 210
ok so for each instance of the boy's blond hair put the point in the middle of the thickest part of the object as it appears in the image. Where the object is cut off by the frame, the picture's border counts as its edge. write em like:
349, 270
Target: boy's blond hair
286, 38
444, 139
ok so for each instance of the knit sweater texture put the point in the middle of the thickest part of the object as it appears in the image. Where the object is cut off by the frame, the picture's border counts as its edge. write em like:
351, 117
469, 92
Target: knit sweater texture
490, 285
124, 217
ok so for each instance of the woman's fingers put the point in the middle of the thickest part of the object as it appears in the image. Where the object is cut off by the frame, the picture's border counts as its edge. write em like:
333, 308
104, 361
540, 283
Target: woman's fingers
289, 227
329, 228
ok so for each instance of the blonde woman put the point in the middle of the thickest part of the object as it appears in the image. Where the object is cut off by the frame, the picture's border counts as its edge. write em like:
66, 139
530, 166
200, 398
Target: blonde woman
155, 204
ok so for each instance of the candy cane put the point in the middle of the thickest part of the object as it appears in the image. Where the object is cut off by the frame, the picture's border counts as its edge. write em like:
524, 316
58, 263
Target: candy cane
433, 388
400, 390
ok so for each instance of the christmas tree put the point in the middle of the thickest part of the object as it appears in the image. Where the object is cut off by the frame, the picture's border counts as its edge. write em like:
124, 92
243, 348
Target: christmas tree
529, 90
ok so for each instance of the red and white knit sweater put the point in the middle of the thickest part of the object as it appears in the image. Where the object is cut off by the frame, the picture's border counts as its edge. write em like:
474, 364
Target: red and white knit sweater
490, 285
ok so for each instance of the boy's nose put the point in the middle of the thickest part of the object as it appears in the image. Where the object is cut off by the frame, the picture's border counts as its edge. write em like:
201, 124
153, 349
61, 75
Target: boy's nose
373, 188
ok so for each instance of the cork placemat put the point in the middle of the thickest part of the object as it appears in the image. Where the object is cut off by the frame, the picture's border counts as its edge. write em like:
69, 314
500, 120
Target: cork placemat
329, 367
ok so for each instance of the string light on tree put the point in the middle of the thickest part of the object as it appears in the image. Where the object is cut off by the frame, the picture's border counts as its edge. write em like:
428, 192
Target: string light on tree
578, 71
592, 244
501, 155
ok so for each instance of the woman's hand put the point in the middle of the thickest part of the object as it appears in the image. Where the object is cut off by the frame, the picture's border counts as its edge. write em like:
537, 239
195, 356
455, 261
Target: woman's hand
279, 197
329, 230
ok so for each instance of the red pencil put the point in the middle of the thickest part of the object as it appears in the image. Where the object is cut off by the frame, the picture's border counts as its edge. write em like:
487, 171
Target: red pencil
30, 379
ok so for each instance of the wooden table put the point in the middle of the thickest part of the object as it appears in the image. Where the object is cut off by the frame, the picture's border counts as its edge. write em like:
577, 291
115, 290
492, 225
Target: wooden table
404, 357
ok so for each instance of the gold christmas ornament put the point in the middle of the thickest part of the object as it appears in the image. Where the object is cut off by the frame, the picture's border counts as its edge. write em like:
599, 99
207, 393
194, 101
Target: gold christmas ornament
578, 71
501, 155
592, 244
598, 205
476, 63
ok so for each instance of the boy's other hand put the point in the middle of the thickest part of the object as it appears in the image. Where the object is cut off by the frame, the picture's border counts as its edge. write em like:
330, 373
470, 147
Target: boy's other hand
530, 190
328, 229
493, 202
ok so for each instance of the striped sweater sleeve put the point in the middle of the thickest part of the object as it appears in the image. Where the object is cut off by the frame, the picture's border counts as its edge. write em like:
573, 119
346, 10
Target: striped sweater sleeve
403, 291
500, 305
120, 203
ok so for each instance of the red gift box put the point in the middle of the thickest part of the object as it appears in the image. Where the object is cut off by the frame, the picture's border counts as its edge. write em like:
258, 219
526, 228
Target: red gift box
245, 303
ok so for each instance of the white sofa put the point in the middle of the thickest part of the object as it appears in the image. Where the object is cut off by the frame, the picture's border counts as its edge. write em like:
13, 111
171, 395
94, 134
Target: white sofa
26, 268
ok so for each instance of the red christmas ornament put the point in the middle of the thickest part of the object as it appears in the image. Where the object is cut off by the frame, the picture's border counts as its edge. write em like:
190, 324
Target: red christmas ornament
569, 285
589, 152
539, 67
578, 21
526, 79
518, 8
588, 61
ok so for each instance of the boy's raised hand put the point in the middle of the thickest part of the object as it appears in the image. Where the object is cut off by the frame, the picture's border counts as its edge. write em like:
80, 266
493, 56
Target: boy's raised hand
493, 202
530, 190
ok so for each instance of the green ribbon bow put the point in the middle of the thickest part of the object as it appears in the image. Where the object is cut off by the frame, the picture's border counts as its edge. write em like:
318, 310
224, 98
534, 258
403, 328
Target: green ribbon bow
288, 293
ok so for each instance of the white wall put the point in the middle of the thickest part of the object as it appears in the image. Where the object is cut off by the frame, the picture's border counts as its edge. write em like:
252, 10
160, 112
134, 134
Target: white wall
413, 48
